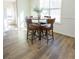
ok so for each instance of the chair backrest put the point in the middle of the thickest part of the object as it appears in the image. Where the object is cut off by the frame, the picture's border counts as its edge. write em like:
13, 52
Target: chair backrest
47, 16
28, 19
50, 21
28, 22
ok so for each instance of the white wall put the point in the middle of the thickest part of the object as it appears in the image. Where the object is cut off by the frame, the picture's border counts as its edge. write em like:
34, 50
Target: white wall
23, 11
33, 4
67, 25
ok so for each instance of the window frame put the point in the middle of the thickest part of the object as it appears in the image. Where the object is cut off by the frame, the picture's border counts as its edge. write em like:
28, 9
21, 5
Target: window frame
53, 8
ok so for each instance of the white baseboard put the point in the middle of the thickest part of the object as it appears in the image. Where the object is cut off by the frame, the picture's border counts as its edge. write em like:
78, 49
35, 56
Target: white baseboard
64, 34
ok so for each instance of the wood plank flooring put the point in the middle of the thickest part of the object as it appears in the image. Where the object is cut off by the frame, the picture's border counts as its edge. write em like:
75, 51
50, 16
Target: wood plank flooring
15, 46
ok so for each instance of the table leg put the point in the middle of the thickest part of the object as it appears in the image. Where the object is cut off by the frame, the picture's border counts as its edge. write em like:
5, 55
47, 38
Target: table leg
39, 35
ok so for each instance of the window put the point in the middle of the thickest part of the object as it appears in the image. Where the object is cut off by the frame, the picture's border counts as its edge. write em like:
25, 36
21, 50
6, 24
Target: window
51, 8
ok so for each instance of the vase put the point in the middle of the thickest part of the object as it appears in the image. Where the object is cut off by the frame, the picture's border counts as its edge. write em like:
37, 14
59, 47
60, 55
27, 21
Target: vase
39, 18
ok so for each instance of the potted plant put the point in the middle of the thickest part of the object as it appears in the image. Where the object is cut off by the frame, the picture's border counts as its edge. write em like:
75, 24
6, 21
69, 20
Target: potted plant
38, 11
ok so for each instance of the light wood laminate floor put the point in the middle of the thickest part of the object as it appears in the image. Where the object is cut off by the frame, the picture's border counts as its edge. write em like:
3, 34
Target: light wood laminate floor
15, 46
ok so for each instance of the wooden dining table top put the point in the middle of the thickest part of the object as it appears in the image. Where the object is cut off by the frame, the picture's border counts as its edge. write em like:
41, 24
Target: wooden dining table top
41, 20
41, 23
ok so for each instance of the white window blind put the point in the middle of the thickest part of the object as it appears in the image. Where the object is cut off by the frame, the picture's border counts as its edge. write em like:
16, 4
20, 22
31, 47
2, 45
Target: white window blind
51, 8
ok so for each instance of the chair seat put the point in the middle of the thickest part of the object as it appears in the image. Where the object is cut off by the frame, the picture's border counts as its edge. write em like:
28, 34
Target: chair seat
47, 26
34, 27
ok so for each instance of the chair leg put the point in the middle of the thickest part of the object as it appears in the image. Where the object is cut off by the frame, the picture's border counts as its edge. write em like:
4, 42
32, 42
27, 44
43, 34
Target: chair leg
52, 35
46, 32
27, 34
39, 35
47, 36
32, 37
34, 32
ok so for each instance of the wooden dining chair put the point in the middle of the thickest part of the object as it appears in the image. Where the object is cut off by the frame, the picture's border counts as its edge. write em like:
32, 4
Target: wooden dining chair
48, 27
31, 29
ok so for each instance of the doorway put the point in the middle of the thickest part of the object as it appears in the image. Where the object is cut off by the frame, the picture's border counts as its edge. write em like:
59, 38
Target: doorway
10, 15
